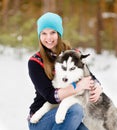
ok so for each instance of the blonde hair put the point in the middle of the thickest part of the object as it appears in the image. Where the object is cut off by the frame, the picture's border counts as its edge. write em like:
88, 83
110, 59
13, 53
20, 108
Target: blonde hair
48, 64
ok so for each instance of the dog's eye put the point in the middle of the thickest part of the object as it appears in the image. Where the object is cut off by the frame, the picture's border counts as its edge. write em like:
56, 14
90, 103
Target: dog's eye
73, 68
64, 68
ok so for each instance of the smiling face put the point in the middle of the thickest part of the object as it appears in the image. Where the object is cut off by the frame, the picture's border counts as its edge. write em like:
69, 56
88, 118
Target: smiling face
49, 38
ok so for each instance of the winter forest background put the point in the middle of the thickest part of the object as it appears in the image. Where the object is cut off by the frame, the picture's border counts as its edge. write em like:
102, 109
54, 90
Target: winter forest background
90, 25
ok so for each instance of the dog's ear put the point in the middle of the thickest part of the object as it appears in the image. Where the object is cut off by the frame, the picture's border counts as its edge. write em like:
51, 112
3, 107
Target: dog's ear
59, 57
84, 56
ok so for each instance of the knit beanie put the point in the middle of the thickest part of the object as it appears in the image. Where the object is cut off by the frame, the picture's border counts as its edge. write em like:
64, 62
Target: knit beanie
50, 20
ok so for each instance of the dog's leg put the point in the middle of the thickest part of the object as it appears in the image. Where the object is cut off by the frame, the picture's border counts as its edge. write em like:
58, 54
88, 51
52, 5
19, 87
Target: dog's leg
38, 114
63, 108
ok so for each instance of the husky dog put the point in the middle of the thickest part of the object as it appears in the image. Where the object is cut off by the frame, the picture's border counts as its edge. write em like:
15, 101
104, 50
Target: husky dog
70, 68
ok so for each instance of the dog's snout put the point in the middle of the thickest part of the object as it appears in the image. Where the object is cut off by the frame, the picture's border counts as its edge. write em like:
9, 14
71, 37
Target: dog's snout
65, 79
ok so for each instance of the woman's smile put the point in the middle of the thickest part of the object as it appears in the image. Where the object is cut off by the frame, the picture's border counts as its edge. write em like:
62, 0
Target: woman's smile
49, 38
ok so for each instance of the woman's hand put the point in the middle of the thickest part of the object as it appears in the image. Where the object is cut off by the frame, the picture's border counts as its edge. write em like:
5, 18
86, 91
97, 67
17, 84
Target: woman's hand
95, 92
94, 88
85, 83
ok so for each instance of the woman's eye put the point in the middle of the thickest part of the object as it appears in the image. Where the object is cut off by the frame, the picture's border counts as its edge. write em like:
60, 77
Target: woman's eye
43, 33
53, 32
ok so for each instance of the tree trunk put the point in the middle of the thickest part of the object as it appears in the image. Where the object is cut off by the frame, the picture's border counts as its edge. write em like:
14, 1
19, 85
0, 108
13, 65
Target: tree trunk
83, 18
5, 13
49, 5
99, 29
115, 28
16, 6
59, 8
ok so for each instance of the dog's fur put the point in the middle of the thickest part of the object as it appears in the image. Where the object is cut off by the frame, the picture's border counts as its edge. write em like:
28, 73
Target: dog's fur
101, 115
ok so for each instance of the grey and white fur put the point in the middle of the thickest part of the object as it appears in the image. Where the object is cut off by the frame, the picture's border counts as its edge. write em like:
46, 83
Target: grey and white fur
69, 68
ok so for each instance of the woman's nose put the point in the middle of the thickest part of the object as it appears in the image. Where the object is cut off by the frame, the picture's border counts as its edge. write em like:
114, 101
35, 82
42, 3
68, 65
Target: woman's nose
48, 37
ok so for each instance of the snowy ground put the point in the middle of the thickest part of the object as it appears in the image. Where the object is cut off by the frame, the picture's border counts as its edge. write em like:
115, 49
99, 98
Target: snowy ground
16, 89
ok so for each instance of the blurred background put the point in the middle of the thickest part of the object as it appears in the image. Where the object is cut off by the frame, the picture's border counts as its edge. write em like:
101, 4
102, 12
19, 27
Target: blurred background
90, 25
87, 23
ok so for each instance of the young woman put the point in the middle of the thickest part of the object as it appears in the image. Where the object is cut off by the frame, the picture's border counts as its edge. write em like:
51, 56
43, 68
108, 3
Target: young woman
41, 71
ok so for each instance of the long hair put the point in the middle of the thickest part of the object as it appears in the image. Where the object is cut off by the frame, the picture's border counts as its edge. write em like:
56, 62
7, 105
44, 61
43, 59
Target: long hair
48, 60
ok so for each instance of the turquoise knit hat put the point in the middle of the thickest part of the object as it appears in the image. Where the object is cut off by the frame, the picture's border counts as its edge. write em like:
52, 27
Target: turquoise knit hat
50, 20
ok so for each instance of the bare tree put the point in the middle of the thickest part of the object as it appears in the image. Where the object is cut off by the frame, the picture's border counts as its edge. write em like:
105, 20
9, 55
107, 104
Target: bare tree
60, 7
49, 5
99, 27
83, 17
16, 6
5, 12
115, 27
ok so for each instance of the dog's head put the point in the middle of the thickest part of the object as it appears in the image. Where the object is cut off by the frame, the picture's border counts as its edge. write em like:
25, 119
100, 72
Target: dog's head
69, 67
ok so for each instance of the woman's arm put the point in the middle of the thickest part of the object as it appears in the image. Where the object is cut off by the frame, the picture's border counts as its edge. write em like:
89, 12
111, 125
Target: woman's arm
88, 83
42, 83
44, 86
84, 83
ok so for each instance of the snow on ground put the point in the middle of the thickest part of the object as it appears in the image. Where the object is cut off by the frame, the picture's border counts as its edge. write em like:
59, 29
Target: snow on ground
16, 89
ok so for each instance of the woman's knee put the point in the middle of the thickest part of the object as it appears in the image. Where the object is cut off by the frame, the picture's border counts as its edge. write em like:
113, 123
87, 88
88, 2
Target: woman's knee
74, 116
76, 109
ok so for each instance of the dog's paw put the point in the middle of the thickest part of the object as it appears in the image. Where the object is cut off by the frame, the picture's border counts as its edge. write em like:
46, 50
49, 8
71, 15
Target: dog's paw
59, 118
35, 118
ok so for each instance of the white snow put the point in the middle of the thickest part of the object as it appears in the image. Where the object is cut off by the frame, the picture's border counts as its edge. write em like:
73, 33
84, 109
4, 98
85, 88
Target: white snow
16, 88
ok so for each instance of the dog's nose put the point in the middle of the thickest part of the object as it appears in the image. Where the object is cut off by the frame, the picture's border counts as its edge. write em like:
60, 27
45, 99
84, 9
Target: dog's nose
65, 79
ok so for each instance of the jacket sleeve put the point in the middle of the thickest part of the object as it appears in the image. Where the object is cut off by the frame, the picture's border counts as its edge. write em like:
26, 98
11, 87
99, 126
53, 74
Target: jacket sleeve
42, 83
